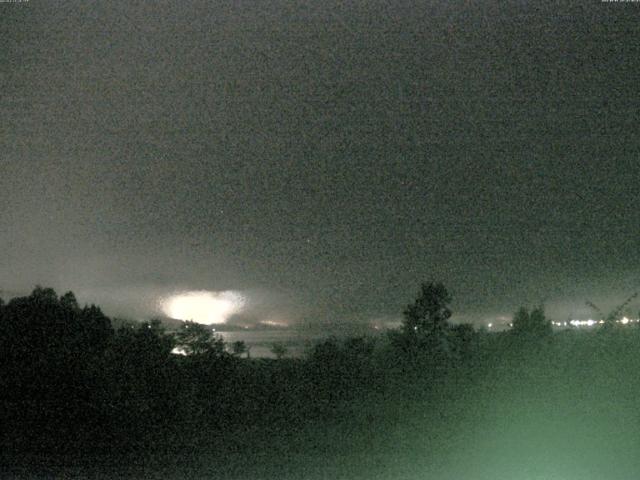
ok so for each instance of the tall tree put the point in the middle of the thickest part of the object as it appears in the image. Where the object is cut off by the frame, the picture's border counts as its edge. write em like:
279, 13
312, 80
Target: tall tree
430, 311
531, 323
47, 348
424, 336
68, 300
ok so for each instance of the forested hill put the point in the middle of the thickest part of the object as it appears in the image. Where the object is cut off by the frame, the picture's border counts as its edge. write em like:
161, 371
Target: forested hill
429, 398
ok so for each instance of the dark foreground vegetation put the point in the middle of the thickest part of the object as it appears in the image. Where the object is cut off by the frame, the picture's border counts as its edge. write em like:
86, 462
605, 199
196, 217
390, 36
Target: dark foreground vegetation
82, 399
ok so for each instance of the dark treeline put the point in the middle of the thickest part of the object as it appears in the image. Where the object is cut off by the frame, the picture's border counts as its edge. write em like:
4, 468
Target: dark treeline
73, 384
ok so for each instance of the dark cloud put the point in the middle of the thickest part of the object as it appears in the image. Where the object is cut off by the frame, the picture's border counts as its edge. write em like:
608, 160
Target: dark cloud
332, 155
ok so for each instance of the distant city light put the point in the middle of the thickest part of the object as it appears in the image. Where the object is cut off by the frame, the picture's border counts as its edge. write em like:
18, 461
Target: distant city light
590, 322
582, 323
274, 323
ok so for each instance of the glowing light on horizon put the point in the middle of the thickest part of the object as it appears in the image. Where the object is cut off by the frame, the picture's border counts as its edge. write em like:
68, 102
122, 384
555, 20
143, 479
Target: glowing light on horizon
274, 323
590, 322
582, 323
203, 306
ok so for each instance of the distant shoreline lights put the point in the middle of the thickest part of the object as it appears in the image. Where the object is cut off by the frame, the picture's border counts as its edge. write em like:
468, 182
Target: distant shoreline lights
570, 323
203, 306
591, 322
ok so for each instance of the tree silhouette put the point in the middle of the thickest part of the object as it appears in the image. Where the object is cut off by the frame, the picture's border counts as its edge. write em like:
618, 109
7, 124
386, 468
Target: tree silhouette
44, 295
47, 347
430, 311
532, 323
238, 348
463, 337
138, 384
196, 339
97, 327
68, 300
279, 350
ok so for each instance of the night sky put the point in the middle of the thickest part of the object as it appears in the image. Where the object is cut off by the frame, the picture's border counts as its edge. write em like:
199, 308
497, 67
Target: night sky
322, 158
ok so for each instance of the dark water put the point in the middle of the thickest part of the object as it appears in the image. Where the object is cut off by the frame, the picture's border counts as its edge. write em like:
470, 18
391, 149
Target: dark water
260, 342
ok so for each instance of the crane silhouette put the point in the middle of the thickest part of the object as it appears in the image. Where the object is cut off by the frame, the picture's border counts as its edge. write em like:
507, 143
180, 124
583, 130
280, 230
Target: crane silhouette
615, 314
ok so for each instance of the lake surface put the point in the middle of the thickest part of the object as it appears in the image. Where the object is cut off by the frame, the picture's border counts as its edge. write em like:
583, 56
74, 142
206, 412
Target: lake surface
261, 341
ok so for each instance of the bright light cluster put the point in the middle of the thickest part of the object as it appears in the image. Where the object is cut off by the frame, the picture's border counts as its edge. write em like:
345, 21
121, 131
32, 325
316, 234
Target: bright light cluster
591, 322
274, 323
203, 306
582, 323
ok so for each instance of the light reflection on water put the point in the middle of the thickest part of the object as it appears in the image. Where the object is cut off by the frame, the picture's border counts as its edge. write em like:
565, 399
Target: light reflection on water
260, 342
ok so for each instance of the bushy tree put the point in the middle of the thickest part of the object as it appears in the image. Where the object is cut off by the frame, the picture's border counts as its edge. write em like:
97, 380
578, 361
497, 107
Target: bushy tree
424, 332
430, 311
46, 347
279, 350
238, 348
68, 300
196, 339
464, 340
531, 323
136, 385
